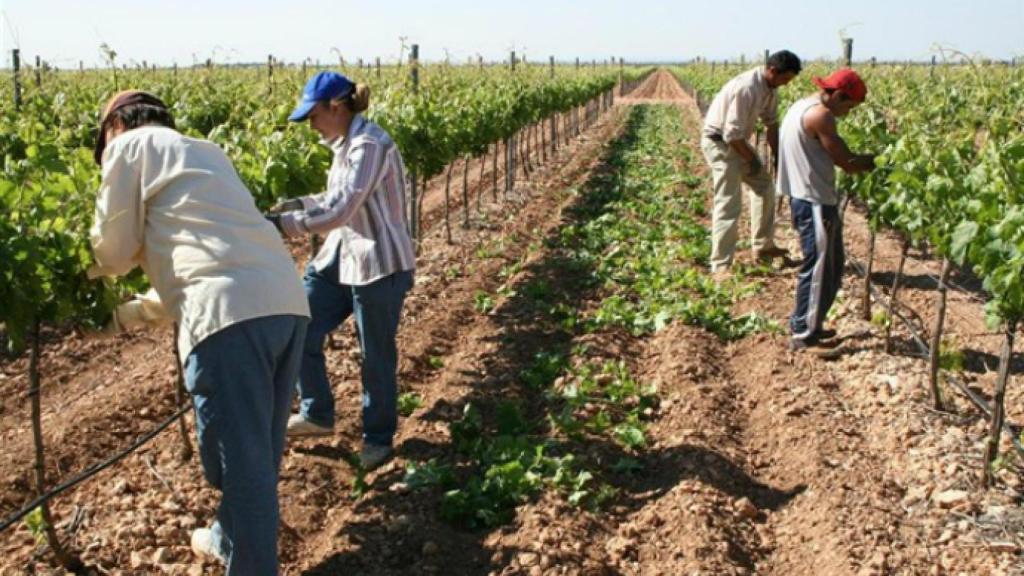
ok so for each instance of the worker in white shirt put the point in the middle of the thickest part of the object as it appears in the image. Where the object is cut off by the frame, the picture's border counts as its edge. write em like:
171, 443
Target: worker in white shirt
175, 207
365, 268
730, 122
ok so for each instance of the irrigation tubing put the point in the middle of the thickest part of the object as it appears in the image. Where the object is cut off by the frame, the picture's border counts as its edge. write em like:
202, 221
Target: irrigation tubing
94, 469
1010, 428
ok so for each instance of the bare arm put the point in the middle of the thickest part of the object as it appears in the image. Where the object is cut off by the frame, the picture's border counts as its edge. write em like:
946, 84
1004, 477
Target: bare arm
822, 124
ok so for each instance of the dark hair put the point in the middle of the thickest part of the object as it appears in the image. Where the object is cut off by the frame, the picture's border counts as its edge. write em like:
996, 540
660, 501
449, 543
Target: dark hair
785, 61
138, 115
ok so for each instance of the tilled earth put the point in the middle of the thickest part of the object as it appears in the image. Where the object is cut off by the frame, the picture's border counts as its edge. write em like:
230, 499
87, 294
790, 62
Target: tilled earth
759, 460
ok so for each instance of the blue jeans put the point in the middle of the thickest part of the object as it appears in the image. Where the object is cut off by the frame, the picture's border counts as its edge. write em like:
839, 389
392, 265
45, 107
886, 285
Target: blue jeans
241, 380
377, 308
821, 272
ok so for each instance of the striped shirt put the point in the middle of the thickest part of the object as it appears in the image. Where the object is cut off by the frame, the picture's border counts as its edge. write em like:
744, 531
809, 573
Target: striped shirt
734, 111
363, 210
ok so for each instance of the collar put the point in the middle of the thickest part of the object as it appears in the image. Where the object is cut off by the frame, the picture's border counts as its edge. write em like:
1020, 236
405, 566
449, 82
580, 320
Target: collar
759, 76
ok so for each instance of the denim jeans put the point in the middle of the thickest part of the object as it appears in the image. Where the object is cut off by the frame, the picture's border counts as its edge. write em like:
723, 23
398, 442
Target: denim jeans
241, 380
377, 308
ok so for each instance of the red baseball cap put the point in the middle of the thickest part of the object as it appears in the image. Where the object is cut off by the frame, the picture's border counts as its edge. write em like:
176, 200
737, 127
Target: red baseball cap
846, 81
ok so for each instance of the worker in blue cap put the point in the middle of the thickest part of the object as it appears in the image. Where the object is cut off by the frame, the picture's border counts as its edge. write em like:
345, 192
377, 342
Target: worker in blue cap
365, 268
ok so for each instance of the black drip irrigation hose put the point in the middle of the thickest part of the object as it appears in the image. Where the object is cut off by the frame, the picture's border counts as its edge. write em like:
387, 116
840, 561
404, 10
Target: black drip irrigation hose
94, 469
1012, 430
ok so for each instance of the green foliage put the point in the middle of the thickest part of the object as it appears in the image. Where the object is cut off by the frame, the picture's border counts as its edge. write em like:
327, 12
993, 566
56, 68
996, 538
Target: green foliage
408, 402
48, 179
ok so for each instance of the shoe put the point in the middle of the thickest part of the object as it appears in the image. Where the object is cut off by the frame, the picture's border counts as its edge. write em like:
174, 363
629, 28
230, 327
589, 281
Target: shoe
768, 253
202, 545
826, 349
825, 334
299, 427
373, 455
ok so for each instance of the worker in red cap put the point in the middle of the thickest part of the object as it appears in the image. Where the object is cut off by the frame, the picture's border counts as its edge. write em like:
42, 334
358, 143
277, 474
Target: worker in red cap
810, 148
174, 206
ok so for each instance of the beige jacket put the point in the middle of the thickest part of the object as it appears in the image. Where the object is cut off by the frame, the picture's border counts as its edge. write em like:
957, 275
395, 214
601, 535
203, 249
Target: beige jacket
175, 206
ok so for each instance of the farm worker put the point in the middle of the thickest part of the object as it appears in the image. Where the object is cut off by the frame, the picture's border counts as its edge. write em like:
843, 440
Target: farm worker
365, 268
175, 206
728, 126
809, 150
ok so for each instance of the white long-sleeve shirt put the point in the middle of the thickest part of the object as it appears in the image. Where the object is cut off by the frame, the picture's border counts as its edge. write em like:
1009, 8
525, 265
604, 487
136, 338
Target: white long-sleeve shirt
735, 109
175, 206
363, 210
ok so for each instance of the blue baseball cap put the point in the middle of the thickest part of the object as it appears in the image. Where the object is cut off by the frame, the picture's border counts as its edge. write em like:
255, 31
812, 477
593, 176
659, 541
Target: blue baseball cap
323, 86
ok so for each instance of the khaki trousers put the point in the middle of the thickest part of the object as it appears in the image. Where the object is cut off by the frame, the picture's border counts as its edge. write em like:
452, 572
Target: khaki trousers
729, 172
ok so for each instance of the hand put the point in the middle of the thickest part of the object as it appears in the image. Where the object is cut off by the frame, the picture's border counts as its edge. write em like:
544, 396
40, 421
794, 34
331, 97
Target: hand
142, 311
755, 166
867, 162
95, 271
286, 205
275, 219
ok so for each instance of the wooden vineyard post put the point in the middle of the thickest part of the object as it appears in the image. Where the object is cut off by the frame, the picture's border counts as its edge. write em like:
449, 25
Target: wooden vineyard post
39, 72
465, 190
377, 64
69, 561
998, 412
494, 171
847, 51
185, 454
447, 202
270, 72
543, 144
936, 344
480, 183
16, 68
894, 296
414, 216
866, 294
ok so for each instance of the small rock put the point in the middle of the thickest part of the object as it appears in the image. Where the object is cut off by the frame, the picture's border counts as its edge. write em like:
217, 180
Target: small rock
1004, 547
527, 559
136, 560
163, 555
745, 508
950, 498
399, 488
430, 548
166, 531
119, 488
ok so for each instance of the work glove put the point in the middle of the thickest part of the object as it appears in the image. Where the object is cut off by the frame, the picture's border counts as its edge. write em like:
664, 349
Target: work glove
142, 311
275, 219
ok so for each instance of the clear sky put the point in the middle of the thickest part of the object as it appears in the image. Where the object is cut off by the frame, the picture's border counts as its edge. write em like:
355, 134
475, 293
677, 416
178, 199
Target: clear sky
65, 31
